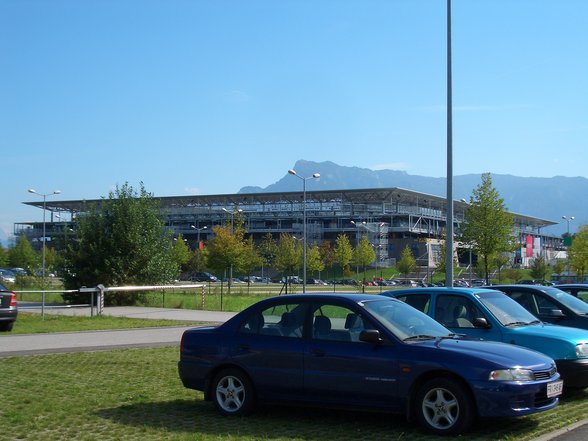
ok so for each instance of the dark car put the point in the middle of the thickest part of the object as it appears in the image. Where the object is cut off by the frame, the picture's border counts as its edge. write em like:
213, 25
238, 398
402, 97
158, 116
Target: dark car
549, 304
579, 290
202, 277
8, 309
492, 315
365, 352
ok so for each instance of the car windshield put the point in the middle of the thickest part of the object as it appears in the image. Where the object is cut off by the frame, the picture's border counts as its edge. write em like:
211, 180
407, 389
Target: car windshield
577, 305
506, 310
404, 321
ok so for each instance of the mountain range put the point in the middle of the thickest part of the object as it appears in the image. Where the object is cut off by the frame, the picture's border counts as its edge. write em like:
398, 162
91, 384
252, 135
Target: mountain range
545, 198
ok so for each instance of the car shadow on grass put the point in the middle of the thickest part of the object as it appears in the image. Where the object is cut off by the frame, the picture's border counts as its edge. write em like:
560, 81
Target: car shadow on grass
201, 420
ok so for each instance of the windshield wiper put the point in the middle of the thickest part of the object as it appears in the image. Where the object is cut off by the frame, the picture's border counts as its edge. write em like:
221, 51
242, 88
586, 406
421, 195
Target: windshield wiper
450, 336
519, 323
419, 337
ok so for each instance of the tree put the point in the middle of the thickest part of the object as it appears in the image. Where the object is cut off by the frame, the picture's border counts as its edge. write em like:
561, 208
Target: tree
559, 266
314, 261
268, 249
488, 228
123, 241
226, 250
252, 259
539, 268
499, 262
198, 260
327, 254
181, 251
3, 256
364, 254
443, 255
407, 262
343, 252
22, 255
288, 255
578, 252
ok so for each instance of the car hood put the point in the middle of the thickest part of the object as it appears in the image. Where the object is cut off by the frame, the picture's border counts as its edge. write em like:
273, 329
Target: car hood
549, 331
501, 354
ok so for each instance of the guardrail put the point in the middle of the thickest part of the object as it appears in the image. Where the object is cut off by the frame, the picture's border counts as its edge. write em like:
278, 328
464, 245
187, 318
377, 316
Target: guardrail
97, 295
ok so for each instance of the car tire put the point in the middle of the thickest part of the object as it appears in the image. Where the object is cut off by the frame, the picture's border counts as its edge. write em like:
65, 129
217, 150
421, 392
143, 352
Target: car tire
232, 392
6, 327
444, 406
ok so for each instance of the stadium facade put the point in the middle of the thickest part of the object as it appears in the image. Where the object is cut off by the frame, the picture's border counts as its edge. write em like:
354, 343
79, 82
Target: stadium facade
391, 218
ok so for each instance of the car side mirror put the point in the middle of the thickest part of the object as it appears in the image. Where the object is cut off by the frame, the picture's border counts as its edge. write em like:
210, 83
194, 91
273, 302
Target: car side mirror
370, 336
556, 313
481, 322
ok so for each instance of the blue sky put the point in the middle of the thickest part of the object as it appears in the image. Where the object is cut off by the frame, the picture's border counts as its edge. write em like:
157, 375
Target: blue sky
206, 97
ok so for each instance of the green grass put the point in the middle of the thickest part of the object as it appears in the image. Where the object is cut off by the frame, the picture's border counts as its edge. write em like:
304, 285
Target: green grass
28, 323
136, 395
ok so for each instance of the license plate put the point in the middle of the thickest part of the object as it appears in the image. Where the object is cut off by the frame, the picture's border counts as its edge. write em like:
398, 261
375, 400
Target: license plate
554, 389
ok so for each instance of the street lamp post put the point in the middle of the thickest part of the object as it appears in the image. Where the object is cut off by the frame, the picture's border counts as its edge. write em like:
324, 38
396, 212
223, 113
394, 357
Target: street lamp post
198, 230
44, 242
568, 219
232, 213
304, 179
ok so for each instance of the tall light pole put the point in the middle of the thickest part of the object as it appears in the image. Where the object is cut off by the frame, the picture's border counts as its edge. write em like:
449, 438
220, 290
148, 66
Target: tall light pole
568, 219
198, 231
357, 225
449, 238
44, 241
304, 179
232, 213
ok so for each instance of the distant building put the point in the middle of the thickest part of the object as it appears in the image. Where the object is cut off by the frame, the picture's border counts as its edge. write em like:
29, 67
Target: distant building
391, 218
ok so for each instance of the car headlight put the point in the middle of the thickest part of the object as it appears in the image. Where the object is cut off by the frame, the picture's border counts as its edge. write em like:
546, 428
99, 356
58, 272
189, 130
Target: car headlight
582, 350
512, 375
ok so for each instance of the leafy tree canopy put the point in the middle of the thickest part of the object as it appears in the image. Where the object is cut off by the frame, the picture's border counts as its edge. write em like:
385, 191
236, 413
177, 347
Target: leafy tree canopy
407, 262
122, 242
488, 228
578, 252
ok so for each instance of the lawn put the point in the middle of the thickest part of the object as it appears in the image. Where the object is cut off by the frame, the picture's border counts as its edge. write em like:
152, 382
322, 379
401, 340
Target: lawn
29, 323
135, 394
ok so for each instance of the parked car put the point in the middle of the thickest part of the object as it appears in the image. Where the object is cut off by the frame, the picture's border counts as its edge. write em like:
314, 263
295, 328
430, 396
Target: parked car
579, 290
492, 315
7, 276
202, 277
8, 309
549, 304
363, 351
534, 282
406, 282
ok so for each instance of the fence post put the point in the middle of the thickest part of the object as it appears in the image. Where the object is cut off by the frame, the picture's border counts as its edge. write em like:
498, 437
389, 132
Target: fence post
202, 296
100, 303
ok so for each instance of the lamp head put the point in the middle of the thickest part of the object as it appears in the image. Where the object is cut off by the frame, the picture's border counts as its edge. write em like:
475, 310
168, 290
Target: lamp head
292, 172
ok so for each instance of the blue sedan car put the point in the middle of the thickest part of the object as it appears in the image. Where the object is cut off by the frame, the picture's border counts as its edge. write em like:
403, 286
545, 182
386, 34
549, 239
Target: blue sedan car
363, 351
492, 315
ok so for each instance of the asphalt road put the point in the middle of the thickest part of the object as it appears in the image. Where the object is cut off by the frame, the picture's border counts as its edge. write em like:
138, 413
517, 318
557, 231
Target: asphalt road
15, 345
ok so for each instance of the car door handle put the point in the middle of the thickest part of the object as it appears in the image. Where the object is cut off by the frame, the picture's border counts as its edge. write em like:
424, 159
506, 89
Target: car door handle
317, 352
244, 348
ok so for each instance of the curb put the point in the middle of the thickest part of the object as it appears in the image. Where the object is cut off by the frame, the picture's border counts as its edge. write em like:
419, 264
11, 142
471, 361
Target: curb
562, 431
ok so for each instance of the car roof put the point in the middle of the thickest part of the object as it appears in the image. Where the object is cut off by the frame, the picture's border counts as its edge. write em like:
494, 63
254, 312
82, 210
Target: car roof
355, 297
431, 289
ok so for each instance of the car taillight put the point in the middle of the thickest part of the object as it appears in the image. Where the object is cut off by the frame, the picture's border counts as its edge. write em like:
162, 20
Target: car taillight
13, 300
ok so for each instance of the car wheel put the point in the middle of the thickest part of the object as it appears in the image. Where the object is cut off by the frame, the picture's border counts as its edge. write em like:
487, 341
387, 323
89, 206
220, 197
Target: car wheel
444, 406
233, 392
5, 327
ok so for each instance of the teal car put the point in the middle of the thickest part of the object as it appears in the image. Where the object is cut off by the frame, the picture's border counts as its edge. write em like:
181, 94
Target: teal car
492, 315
